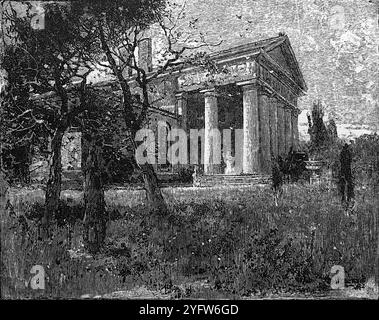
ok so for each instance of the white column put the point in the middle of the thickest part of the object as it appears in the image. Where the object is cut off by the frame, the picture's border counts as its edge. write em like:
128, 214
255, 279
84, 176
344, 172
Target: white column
212, 141
273, 127
287, 129
264, 125
295, 129
250, 162
281, 130
181, 105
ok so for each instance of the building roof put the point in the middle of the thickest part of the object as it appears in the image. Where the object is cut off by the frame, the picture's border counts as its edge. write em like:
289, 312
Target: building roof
270, 47
276, 50
273, 53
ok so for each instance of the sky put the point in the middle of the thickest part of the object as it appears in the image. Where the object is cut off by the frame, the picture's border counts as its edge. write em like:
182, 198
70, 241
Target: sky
336, 43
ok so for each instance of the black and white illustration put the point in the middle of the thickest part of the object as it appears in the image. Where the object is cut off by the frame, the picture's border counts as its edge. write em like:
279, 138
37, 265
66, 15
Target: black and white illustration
189, 150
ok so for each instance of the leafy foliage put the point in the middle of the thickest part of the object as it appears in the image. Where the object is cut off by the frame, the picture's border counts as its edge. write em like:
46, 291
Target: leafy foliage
290, 169
317, 129
365, 164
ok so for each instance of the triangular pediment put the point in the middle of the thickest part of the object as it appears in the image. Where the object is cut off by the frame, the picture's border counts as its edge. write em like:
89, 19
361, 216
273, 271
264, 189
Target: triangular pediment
280, 58
238, 65
282, 53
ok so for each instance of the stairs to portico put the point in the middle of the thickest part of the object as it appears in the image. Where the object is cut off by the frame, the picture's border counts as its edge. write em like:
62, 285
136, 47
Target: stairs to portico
223, 180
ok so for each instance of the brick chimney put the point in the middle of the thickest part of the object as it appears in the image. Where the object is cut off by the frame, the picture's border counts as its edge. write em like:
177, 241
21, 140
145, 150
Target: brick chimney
145, 59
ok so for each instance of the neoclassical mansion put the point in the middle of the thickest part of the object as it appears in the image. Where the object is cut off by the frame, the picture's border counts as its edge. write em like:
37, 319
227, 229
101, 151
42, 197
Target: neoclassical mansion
256, 90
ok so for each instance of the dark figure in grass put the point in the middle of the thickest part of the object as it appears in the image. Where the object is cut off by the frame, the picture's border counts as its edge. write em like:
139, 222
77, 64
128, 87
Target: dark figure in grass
277, 177
346, 183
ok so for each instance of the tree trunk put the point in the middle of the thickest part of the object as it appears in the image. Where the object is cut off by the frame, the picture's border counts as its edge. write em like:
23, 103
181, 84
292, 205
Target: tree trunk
3, 193
53, 186
94, 216
134, 123
155, 200
154, 195
376, 237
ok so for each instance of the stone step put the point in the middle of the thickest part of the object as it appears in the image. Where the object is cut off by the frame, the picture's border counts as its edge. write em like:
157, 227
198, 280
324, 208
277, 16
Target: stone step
72, 174
213, 180
72, 179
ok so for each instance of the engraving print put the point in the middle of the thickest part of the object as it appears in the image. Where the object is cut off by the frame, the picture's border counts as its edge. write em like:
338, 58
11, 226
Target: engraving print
189, 150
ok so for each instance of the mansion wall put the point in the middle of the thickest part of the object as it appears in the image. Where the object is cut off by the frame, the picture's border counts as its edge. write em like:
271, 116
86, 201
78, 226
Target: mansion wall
71, 157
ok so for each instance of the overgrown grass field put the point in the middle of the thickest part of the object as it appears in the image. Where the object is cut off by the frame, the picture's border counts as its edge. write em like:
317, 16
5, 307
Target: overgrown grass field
220, 242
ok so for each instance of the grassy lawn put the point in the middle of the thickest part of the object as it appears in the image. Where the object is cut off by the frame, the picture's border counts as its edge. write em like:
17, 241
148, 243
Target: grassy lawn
217, 243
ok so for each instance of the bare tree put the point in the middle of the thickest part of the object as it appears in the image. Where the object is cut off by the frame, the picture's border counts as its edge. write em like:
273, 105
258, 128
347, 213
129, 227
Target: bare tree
47, 60
120, 28
100, 126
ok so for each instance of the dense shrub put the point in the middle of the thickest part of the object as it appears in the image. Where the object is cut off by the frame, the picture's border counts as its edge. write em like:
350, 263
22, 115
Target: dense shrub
69, 272
118, 167
317, 129
65, 276
269, 262
185, 174
67, 212
366, 160
16, 162
291, 168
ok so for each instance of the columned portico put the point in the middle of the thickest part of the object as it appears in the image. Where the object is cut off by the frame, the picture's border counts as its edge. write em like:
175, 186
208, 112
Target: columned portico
250, 160
270, 83
181, 108
212, 141
295, 129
